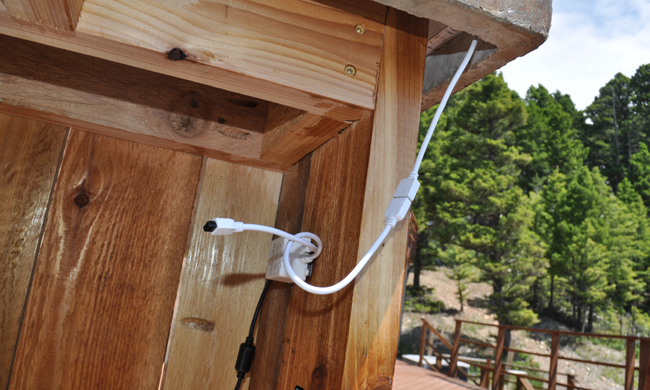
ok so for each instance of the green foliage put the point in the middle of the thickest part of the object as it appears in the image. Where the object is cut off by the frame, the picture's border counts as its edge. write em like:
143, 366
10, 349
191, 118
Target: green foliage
460, 269
546, 203
470, 197
640, 173
549, 137
420, 300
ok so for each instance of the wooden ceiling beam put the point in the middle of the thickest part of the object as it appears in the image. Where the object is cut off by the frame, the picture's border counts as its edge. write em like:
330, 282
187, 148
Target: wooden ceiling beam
291, 134
303, 54
56, 14
70, 89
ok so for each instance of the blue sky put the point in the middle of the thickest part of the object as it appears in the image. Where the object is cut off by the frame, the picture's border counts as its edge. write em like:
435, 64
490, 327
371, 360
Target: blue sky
590, 41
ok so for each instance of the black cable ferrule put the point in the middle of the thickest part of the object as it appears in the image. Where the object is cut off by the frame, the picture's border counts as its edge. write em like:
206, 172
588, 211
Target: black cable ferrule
245, 357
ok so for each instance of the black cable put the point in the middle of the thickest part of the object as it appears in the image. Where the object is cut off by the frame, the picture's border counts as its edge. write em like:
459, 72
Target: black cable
259, 307
247, 349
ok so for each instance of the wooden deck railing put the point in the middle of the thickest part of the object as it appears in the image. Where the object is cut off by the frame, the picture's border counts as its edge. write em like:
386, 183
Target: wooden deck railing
498, 370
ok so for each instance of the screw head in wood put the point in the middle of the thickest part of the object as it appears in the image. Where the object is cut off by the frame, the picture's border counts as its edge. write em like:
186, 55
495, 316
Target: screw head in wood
176, 54
350, 70
81, 200
360, 29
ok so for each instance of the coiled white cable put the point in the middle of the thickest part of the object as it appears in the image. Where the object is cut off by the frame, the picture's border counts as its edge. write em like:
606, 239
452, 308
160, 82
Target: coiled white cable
396, 210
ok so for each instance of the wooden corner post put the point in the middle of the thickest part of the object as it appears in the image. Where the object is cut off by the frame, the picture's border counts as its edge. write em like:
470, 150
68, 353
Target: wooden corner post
555, 353
348, 340
644, 364
498, 359
629, 362
453, 364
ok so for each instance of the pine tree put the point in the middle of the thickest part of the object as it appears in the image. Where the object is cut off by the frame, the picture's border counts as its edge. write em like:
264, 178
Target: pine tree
470, 195
549, 137
608, 135
640, 173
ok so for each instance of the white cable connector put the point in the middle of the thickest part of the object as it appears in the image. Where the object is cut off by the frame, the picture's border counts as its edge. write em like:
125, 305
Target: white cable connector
396, 211
226, 226
402, 198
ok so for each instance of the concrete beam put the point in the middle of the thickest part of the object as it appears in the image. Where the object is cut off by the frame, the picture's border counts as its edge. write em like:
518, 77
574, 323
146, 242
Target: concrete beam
513, 28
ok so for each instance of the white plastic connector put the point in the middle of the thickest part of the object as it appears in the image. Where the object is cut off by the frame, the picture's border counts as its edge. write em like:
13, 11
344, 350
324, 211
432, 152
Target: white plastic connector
226, 226
397, 208
407, 188
298, 257
402, 198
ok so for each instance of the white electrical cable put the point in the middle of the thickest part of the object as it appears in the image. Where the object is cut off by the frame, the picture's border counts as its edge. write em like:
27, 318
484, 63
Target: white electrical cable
340, 285
282, 233
443, 103
402, 201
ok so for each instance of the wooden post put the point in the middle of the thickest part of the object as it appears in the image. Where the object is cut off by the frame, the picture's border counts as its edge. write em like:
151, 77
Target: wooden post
485, 375
555, 353
454, 350
498, 363
629, 362
423, 341
571, 382
270, 332
348, 340
644, 364
29, 157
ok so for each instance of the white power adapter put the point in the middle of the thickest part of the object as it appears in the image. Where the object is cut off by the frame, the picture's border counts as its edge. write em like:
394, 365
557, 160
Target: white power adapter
298, 258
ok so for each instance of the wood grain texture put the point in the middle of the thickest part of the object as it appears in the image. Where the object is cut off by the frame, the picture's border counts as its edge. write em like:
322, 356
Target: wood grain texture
630, 355
29, 156
100, 307
375, 313
57, 14
555, 353
312, 95
291, 134
270, 334
55, 85
222, 277
316, 328
299, 43
644, 364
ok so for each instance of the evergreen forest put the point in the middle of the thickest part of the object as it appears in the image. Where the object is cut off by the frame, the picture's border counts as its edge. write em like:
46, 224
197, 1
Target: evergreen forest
546, 203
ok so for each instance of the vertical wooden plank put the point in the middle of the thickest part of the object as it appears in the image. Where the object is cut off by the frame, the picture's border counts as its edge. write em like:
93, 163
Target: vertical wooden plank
629, 362
374, 327
555, 353
222, 278
453, 362
315, 338
264, 375
498, 359
102, 297
29, 156
644, 364
423, 342
57, 14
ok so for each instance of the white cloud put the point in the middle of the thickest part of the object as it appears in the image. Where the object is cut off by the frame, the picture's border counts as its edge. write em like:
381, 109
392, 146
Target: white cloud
589, 42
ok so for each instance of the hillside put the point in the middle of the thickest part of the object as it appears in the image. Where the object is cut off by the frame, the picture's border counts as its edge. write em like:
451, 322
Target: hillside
591, 376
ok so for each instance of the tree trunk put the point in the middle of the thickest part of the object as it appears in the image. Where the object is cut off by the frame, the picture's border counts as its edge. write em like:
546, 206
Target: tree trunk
618, 157
590, 325
550, 302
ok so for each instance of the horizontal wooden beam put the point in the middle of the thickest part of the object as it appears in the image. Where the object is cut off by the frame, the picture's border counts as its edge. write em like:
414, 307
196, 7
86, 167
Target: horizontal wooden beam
304, 54
291, 134
71, 89
66, 88
56, 14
